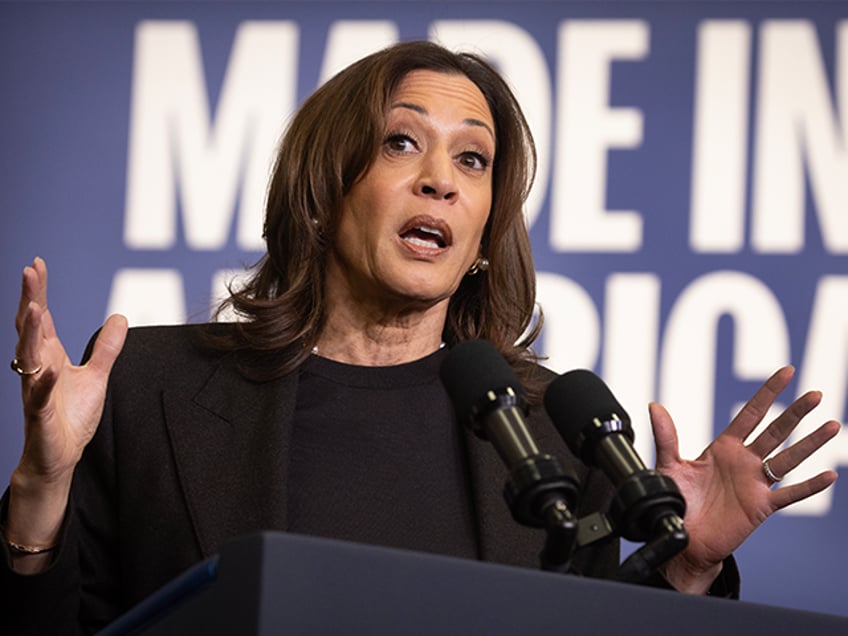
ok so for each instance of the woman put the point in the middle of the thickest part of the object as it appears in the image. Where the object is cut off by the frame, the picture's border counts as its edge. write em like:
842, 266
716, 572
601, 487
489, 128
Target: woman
394, 230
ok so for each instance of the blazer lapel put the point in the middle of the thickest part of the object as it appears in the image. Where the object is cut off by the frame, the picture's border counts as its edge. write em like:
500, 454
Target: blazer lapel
230, 443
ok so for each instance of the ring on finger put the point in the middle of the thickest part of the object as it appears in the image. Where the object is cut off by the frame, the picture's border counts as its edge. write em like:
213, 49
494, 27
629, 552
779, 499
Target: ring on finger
17, 368
769, 472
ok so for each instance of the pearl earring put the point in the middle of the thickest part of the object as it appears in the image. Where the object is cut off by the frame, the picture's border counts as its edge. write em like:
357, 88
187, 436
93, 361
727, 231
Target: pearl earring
480, 265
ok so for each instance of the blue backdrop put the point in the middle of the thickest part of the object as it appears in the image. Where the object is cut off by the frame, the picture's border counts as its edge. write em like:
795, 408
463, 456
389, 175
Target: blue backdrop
689, 221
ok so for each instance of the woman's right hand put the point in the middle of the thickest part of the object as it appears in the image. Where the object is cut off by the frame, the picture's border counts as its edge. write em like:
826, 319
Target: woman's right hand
62, 405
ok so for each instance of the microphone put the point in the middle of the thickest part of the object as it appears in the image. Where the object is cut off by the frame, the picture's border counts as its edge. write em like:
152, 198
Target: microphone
489, 400
647, 504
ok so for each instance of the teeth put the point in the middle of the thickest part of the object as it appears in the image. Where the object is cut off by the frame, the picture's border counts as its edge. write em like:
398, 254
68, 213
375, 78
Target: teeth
430, 230
425, 236
420, 242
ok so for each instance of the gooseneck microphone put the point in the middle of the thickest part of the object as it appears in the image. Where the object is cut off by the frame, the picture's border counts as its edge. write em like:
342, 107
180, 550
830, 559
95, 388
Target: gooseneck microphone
647, 505
489, 400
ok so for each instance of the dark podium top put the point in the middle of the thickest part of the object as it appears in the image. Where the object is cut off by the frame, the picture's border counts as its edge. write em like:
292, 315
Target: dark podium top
275, 583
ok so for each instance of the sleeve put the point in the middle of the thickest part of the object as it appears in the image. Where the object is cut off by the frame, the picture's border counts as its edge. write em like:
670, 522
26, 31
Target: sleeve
44, 603
79, 592
727, 584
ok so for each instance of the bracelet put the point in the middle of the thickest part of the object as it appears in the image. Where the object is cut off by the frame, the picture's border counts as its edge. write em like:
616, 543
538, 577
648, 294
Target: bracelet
27, 550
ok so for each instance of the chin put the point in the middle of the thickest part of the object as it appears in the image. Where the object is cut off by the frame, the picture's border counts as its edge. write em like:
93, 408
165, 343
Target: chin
427, 285
424, 294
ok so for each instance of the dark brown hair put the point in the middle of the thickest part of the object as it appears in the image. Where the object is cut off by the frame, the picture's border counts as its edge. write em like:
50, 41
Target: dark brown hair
332, 141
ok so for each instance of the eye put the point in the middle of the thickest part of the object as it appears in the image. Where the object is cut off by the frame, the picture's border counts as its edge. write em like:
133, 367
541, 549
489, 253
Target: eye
474, 160
400, 143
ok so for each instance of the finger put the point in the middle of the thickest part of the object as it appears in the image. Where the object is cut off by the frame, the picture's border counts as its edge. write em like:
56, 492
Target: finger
40, 297
108, 345
780, 429
30, 286
40, 267
665, 435
788, 495
790, 458
48, 328
757, 407
28, 349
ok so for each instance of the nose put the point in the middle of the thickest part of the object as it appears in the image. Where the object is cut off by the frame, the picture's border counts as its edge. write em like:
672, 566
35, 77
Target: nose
437, 179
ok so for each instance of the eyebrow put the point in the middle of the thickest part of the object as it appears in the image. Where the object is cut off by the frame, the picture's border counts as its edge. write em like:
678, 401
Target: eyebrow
423, 111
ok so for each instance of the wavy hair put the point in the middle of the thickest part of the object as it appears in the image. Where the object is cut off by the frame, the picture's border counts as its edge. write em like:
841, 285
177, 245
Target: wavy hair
330, 143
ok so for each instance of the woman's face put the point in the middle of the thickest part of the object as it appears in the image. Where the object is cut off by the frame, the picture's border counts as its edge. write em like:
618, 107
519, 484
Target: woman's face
411, 226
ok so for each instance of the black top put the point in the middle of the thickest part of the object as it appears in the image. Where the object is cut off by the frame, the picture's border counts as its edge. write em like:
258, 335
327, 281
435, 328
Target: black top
376, 458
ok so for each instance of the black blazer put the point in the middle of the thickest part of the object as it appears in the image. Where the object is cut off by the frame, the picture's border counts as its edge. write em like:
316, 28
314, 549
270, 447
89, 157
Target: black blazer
190, 454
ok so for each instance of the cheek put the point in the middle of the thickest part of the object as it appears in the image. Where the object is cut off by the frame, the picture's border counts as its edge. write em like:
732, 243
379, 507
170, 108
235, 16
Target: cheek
369, 204
355, 214
485, 202
482, 216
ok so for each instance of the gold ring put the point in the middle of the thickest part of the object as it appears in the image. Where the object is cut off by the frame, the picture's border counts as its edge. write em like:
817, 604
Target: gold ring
16, 367
769, 472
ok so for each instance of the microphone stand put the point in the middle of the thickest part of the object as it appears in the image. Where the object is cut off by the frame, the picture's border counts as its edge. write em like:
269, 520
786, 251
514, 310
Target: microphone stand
671, 539
538, 493
647, 507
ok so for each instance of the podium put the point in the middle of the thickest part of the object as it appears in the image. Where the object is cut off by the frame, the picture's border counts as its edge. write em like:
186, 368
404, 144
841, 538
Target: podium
276, 583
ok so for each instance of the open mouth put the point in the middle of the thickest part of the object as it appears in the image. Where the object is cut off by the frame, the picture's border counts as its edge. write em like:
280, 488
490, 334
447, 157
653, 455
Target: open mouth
426, 232
424, 237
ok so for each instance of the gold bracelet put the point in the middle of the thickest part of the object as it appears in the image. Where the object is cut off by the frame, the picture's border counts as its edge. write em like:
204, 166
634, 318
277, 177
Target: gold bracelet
27, 550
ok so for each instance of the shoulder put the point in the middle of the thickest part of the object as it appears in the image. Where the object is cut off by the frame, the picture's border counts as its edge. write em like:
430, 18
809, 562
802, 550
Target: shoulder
165, 354
543, 374
183, 340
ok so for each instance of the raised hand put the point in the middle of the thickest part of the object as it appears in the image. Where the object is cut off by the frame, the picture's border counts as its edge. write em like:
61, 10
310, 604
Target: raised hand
62, 404
728, 493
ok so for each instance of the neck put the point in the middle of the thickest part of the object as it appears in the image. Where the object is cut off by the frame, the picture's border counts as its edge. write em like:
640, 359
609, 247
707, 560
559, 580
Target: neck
390, 340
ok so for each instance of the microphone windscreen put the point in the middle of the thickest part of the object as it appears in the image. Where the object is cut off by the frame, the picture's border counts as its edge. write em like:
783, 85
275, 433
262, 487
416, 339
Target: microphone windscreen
472, 369
575, 399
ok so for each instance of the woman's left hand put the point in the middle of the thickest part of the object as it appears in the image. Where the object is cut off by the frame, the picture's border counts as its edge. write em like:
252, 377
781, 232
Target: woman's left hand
728, 494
